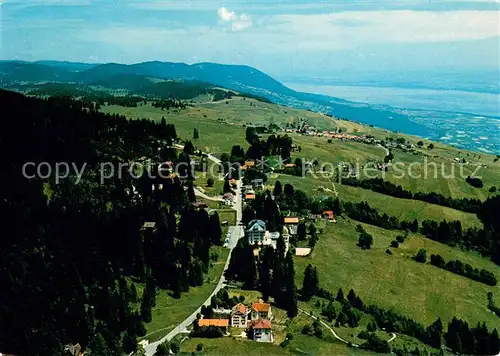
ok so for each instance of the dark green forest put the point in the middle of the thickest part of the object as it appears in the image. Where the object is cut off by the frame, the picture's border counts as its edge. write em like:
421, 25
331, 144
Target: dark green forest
72, 254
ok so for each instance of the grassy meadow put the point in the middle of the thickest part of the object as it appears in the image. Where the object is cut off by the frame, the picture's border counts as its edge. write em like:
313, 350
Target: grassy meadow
396, 281
403, 209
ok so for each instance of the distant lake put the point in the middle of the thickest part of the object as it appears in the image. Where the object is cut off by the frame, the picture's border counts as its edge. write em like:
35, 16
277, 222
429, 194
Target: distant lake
423, 99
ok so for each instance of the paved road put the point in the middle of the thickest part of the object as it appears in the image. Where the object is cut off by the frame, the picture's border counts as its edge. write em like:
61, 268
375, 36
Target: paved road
203, 195
236, 234
211, 157
392, 337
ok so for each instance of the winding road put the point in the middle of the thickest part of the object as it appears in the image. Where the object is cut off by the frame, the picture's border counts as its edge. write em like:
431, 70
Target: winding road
236, 234
335, 334
327, 326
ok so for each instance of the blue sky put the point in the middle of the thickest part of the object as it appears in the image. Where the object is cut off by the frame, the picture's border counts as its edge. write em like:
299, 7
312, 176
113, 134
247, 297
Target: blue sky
282, 38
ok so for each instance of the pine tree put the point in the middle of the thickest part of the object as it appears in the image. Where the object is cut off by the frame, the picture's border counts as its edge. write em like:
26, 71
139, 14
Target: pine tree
191, 194
310, 285
196, 135
301, 231
133, 293
290, 290
278, 189
351, 296
340, 295
215, 229
329, 312
227, 186
129, 342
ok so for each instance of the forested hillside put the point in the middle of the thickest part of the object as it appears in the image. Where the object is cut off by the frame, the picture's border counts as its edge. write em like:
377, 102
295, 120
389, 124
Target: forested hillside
72, 253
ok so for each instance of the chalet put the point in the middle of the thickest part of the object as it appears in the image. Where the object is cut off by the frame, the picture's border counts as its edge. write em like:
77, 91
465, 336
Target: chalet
255, 231
250, 163
219, 323
239, 316
261, 311
249, 196
261, 330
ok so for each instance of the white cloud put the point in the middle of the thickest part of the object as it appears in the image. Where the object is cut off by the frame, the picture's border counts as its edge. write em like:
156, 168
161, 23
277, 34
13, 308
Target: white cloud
354, 28
238, 22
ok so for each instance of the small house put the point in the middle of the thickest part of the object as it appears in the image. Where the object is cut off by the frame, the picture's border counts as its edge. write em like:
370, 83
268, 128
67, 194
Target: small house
261, 331
261, 311
329, 215
239, 316
249, 196
302, 251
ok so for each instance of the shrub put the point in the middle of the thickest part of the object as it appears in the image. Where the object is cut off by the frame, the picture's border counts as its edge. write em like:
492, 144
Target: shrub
421, 256
394, 244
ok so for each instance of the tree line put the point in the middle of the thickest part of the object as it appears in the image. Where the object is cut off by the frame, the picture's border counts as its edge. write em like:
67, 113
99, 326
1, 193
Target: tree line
379, 185
464, 269
274, 145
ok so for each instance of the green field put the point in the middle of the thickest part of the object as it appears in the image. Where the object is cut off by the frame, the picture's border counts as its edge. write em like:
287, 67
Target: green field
168, 311
403, 209
397, 282
420, 291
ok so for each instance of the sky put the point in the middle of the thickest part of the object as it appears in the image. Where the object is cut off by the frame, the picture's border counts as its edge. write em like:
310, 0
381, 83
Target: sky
283, 38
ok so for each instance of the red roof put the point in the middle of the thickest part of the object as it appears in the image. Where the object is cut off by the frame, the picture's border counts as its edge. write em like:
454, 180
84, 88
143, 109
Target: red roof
329, 213
240, 308
260, 307
214, 322
261, 324
291, 220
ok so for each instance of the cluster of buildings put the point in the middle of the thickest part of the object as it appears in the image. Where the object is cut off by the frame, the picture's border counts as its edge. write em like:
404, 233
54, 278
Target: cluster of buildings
255, 319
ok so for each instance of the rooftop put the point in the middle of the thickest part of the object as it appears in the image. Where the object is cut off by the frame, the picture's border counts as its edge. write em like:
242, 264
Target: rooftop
240, 308
261, 324
302, 251
214, 322
261, 307
291, 220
